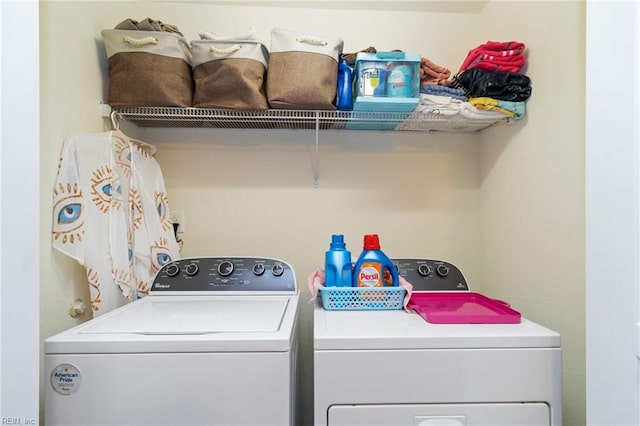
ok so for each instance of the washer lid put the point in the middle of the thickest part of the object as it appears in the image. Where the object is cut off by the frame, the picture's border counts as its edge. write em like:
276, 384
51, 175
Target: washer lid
185, 315
186, 324
344, 330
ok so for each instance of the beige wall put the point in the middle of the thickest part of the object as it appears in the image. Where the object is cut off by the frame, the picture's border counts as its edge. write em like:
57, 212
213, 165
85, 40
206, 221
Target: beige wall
532, 187
505, 205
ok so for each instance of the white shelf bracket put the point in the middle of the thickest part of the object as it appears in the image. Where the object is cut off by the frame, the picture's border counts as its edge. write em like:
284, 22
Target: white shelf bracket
315, 156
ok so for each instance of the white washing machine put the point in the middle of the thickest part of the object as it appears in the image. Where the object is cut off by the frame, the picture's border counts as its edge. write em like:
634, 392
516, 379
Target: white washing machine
214, 343
391, 367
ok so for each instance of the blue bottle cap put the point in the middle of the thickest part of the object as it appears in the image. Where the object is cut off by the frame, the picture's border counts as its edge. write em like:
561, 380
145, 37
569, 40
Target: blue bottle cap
337, 242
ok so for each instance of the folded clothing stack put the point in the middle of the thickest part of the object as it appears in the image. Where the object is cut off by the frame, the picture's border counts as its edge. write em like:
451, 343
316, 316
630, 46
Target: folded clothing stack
442, 90
506, 86
497, 56
491, 77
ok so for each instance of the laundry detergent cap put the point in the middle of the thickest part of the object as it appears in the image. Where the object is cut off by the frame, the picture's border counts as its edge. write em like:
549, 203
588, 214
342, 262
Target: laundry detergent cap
337, 242
373, 267
371, 242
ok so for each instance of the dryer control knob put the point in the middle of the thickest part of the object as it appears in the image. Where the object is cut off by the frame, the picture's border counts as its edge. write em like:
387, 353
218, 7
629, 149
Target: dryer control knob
172, 270
258, 269
225, 268
191, 269
423, 269
277, 269
442, 270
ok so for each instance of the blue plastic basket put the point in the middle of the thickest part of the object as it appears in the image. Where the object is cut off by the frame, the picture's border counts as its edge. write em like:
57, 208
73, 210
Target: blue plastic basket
362, 298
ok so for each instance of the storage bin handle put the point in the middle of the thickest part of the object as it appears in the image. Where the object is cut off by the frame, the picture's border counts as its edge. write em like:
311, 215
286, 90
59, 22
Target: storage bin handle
311, 40
229, 50
140, 41
391, 55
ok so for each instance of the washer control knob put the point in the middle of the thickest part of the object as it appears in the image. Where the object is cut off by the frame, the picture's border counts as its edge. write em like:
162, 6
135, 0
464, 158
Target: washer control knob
442, 270
277, 269
423, 269
191, 269
172, 270
258, 269
225, 268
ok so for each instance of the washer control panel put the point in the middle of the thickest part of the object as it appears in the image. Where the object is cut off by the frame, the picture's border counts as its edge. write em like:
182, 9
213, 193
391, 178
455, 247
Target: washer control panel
230, 274
431, 275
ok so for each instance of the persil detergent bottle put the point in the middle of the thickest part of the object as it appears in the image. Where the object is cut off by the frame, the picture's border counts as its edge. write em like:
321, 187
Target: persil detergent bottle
337, 263
372, 264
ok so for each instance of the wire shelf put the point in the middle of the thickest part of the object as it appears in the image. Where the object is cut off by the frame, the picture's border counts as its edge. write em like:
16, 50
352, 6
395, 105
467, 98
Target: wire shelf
300, 119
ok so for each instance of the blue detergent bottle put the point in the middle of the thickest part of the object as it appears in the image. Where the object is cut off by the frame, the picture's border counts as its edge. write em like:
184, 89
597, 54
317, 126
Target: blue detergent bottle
372, 266
337, 263
344, 98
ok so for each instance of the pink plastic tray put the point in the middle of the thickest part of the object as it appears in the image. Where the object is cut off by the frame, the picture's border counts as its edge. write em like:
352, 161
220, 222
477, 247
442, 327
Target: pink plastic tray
462, 308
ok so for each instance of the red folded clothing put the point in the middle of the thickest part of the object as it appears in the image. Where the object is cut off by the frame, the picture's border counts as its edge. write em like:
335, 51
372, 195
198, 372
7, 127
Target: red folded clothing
496, 56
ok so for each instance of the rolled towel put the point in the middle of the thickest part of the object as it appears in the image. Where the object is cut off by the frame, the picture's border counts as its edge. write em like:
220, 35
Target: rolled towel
431, 73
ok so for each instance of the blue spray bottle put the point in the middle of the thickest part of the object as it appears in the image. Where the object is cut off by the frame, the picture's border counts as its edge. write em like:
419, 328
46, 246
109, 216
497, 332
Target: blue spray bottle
337, 263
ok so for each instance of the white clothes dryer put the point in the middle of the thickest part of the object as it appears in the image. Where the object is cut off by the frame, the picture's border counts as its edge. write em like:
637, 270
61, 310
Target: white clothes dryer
391, 367
214, 343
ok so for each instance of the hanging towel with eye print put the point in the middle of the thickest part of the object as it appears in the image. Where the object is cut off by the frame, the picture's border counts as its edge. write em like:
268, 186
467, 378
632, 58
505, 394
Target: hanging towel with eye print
110, 213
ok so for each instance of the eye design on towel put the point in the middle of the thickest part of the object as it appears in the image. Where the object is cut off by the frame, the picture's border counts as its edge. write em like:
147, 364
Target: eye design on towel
105, 189
163, 258
143, 288
140, 150
130, 249
123, 156
94, 289
162, 204
68, 224
122, 280
135, 205
159, 254
69, 213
